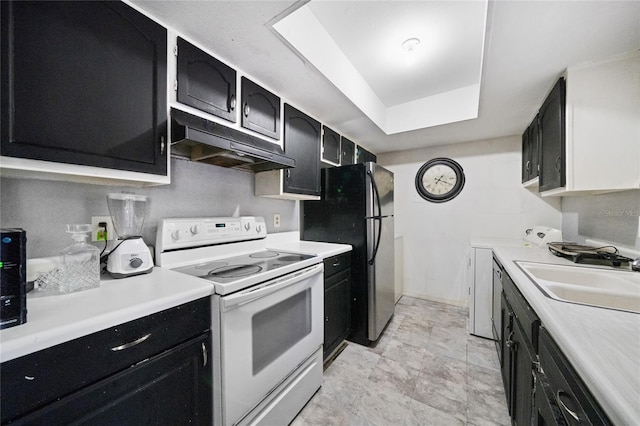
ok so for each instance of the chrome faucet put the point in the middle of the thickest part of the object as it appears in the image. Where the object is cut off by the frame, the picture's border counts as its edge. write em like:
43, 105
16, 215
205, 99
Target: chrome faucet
635, 264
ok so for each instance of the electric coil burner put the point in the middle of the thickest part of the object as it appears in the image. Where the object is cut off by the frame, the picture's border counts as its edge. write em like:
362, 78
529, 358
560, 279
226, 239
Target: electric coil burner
604, 255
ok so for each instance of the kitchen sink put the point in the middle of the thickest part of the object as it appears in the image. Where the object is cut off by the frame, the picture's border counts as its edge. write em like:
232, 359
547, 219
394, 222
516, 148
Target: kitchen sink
605, 288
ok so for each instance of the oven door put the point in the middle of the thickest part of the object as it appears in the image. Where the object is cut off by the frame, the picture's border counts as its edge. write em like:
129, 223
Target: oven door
267, 331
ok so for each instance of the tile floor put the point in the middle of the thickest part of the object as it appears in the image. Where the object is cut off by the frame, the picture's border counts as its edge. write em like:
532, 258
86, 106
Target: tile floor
425, 370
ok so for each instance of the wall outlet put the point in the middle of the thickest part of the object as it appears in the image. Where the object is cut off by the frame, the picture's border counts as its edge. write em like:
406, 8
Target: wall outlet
97, 233
276, 220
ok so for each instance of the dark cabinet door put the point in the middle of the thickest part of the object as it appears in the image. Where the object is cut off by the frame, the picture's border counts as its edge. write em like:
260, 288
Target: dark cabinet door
260, 109
363, 156
530, 148
348, 151
302, 143
337, 310
330, 146
552, 139
84, 83
205, 83
169, 389
569, 393
522, 380
506, 343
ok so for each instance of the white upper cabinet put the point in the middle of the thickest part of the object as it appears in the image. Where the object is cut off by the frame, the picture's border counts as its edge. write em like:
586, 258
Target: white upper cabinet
602, 127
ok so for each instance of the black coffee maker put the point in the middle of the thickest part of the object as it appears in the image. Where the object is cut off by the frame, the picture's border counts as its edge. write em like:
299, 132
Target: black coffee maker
13, 277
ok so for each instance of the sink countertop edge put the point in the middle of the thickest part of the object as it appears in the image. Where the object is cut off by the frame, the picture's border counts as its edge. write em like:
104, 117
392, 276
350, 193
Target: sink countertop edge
603, 345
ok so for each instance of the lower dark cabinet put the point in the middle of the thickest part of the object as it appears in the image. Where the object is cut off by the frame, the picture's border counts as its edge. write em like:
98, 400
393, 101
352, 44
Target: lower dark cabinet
152, 370
561, 396
519, 336
169, 389
337, 301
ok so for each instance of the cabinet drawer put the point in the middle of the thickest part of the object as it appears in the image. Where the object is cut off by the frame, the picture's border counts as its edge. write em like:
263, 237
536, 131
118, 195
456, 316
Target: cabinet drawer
526, 316
335, 264
568, 391
33, 380
171, 388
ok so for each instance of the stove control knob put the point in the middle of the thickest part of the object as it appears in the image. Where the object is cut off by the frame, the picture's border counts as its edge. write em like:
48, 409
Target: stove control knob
258, 228
195, 229
136, 262
176, 235
247, 226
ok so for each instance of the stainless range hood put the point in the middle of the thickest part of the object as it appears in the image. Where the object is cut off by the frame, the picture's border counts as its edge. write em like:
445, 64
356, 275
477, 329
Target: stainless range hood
199, 139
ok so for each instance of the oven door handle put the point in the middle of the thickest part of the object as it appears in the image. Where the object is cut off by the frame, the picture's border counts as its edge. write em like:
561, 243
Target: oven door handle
251, 294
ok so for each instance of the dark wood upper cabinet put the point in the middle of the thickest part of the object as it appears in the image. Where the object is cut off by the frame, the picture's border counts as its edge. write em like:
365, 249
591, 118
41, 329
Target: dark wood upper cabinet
363, 156
330, 146
553, 139
302, 143
205, 83
530, 151
260, 109
84, 83
348, 151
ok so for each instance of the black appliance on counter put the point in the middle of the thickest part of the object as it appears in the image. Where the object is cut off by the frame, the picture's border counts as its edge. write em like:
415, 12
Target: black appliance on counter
577, 253
356, 208
13, 277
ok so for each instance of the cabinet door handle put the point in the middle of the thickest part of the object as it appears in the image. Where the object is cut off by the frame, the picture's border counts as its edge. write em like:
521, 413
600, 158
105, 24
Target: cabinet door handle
131, 344
205, 356
557, 164
246, 109
336, 264
232, 102
564, 408
528, 166
162, 145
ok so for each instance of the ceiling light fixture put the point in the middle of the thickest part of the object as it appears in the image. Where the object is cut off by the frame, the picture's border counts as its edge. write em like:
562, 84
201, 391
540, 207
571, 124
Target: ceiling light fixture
411, 44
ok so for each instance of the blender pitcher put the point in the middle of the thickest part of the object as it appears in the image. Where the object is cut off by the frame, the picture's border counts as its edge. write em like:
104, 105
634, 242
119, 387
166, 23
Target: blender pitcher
131, 255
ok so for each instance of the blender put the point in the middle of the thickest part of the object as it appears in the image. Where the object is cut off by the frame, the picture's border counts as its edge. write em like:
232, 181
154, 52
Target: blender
131, 256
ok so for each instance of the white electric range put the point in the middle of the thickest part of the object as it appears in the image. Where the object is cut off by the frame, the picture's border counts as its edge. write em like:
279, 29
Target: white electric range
267, 315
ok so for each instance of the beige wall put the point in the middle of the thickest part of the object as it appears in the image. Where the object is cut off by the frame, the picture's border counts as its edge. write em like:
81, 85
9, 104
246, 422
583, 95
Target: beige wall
492, 204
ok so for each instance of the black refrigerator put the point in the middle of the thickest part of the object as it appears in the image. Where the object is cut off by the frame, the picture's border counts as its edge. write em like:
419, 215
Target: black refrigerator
356, 208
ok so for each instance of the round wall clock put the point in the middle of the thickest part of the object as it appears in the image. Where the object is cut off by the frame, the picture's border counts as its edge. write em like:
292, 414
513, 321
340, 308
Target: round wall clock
439, 180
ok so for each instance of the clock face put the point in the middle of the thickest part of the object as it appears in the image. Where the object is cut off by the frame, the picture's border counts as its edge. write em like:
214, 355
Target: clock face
440, 180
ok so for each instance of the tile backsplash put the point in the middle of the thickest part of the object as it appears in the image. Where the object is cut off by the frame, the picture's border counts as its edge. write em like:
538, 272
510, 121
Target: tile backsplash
612, 217
43, 208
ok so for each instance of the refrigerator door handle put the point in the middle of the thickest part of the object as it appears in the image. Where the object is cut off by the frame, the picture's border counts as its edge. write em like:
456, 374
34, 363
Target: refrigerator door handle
378, 218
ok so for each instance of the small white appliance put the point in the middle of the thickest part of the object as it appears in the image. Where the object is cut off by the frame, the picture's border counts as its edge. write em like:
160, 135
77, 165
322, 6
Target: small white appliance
131, 256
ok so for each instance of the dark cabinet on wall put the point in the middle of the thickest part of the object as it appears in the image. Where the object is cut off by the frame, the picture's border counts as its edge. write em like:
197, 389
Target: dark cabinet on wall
260, 109
530, 144
330, 146
363, 156
84, 83
348, 151
551, 119
153, 370
205, 83
337, 301
302, 143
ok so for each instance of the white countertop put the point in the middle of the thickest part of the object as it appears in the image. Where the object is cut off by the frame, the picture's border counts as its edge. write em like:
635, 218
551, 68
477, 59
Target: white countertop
52, 320
290, 241
603, 345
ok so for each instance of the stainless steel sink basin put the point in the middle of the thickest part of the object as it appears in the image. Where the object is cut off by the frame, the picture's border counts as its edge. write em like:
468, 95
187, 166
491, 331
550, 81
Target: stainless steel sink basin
606, 288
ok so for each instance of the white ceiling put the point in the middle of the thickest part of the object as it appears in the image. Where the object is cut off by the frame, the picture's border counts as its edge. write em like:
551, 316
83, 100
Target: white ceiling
527, 46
